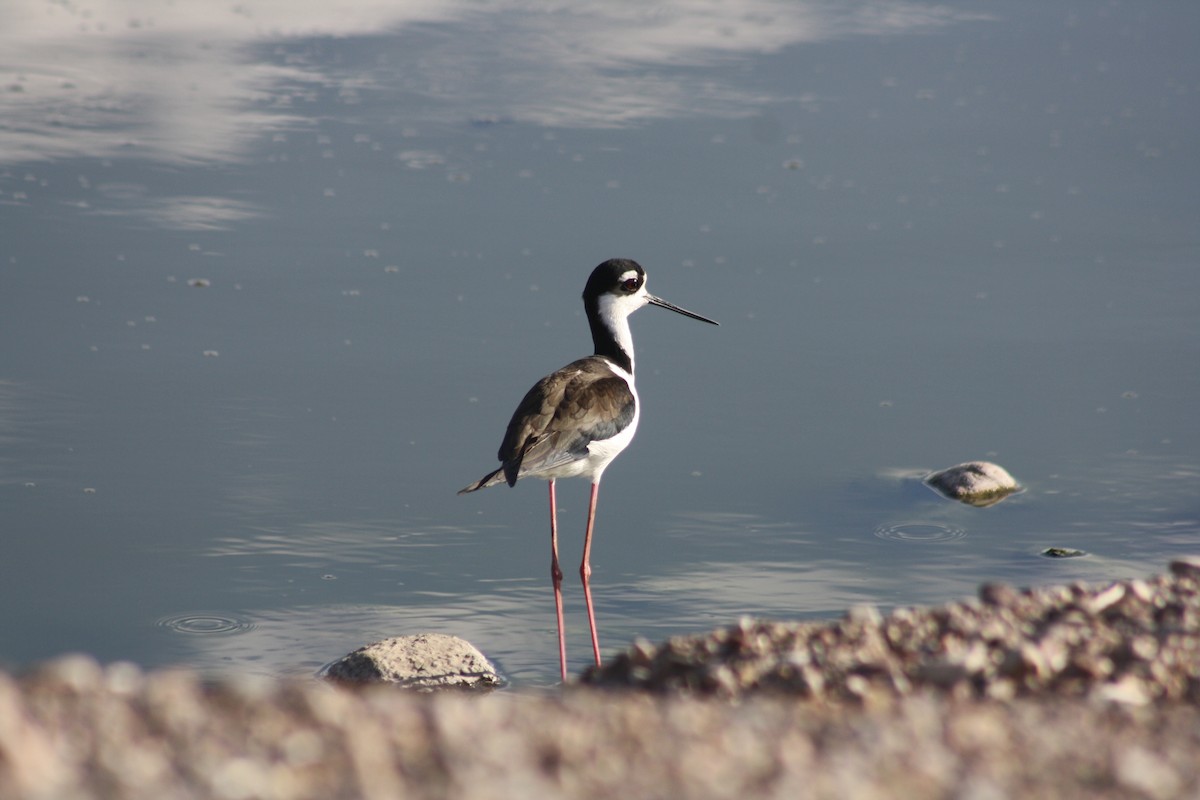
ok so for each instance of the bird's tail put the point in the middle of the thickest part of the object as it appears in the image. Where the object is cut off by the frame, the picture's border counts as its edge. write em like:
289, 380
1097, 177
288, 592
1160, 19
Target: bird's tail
491, 479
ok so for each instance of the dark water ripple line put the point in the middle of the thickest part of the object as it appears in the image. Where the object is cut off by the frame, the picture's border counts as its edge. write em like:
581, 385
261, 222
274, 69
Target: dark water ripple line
205, 624
920, 532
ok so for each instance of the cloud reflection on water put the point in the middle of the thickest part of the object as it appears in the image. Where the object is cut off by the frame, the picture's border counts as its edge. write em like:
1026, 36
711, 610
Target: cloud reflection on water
193, 82
182, 213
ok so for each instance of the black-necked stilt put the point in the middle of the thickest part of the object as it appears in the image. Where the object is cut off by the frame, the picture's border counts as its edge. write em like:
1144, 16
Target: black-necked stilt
575, 421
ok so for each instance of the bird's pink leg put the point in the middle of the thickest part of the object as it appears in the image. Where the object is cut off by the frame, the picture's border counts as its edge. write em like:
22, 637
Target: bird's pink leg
585, 571
556, 576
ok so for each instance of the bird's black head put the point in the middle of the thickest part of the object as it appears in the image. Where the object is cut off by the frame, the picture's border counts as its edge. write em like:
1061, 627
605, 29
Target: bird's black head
616, 276
616, 289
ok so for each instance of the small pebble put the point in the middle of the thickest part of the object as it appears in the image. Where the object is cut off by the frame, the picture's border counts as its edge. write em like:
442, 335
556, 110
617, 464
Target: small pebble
1062, 552
1186, 566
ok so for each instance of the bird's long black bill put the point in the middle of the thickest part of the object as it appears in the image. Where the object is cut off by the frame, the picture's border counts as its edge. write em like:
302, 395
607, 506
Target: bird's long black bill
658, 301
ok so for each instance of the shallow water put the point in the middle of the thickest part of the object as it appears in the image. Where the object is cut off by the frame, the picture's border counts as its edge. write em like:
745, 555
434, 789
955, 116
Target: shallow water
274, 279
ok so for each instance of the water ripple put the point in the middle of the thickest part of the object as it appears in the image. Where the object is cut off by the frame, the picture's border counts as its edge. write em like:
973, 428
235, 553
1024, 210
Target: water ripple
919, 532
205, 624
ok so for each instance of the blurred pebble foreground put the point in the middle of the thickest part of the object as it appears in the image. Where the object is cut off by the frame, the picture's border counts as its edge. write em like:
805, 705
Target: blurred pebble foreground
1055, 692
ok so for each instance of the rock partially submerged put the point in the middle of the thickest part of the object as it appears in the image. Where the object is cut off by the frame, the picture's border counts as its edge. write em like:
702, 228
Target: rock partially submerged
977, 483
1062, 552
424, 661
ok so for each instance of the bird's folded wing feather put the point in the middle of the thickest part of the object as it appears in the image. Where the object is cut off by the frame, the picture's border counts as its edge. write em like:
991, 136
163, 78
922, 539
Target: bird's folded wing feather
562, 414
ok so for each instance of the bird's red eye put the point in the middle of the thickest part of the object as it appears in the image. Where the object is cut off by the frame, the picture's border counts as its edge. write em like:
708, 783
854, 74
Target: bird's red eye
630, 285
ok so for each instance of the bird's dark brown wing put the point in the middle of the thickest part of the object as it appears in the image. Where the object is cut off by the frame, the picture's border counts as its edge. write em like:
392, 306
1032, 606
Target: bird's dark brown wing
562, 414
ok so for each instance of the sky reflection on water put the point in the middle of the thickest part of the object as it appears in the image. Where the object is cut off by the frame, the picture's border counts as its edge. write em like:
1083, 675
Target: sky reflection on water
192, 82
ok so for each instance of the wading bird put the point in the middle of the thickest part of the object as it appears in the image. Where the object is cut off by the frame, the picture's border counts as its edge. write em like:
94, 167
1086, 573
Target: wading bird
575, 421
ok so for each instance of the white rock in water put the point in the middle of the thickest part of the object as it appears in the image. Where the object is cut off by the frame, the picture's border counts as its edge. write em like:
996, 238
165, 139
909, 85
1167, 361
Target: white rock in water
423, 661
979, 483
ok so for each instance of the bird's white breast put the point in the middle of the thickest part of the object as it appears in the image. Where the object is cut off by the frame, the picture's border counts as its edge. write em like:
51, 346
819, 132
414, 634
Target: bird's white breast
602, 451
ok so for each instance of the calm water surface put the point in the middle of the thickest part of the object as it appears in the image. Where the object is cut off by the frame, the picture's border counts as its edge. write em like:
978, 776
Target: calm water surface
273, 277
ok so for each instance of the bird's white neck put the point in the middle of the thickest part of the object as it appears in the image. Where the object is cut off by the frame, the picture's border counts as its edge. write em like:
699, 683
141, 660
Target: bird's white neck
610, 329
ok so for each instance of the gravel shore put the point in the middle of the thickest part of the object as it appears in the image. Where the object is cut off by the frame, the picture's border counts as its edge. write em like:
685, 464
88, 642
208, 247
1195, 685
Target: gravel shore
1132, 641
1079, 691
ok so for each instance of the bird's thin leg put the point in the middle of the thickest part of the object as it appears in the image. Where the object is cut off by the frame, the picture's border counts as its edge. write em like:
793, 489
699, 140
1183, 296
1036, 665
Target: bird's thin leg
585, 571
556, 576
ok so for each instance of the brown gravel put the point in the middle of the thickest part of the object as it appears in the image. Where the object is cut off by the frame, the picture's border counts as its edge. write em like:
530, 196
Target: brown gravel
756, 710
1132, 641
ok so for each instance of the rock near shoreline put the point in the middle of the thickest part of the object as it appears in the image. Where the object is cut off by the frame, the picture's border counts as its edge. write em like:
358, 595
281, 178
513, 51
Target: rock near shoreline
424, 662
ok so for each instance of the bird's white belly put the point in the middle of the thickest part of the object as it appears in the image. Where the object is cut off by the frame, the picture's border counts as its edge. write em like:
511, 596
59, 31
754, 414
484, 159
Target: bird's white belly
601, 452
